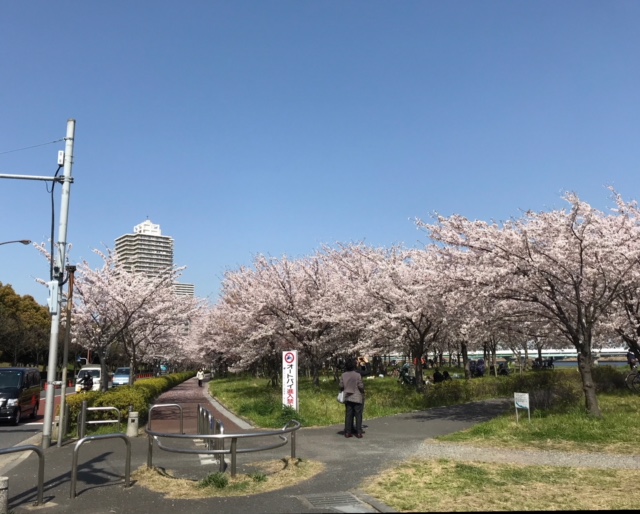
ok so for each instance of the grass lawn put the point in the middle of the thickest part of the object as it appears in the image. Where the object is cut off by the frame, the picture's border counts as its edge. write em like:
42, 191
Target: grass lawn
424, 485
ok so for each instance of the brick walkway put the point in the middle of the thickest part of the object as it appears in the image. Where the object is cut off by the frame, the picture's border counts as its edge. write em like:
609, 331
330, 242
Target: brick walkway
188, 395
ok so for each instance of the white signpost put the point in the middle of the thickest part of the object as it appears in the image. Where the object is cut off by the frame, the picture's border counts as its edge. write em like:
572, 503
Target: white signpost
522, 402
290, 379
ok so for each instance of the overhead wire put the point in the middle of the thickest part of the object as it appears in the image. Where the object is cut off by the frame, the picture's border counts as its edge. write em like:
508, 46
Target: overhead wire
32, 146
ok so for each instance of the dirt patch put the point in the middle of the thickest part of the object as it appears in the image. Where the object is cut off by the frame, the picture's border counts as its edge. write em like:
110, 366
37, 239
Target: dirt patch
265, 476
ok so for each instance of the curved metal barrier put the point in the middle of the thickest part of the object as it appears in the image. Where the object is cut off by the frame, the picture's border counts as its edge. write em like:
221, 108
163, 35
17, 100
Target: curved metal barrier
159, 405
208, 425
83, 422
40, 453
74, 461
218, 442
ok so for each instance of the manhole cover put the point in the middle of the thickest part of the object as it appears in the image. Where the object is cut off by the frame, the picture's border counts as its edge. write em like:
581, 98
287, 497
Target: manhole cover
341, 502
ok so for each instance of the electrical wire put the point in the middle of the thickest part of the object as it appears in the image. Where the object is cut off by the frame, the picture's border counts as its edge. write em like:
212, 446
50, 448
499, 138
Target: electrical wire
33, 146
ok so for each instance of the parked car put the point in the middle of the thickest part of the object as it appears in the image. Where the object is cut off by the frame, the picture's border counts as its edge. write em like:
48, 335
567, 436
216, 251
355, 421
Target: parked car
121, 377
19, 393
96, 374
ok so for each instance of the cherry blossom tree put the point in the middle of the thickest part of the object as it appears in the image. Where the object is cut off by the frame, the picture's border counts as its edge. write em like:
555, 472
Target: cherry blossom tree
405, 299
624, 317
564, 267
115, 307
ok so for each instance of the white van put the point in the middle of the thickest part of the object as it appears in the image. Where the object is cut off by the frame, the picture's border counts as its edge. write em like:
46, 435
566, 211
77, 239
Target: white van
96, 374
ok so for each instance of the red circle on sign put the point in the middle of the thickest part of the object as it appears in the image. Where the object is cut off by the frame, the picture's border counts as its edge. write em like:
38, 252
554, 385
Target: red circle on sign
289, 357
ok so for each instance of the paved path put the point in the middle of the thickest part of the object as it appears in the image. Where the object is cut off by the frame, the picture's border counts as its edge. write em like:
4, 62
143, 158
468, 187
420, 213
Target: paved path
349, 462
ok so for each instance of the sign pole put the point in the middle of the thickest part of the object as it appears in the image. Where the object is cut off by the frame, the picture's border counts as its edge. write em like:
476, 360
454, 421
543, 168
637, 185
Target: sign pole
521, 401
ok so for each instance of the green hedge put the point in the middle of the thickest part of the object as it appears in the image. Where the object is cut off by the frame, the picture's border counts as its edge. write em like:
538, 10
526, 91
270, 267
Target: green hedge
139, 396
547, 389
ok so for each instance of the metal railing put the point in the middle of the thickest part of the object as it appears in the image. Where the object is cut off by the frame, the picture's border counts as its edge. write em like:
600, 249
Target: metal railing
76, 449
83, 422
40, 453
160, 405
208, 425
217, 441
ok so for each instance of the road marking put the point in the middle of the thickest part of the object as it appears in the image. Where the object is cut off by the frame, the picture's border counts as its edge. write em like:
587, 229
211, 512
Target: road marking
206, 459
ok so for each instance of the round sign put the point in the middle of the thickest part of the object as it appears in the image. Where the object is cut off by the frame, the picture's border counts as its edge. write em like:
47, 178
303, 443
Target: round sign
289, 357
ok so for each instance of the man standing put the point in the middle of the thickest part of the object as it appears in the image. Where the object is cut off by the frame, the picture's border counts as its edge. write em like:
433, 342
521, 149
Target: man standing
200, 376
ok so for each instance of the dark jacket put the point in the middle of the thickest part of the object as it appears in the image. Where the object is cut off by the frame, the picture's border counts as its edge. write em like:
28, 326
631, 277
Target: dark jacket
353, 386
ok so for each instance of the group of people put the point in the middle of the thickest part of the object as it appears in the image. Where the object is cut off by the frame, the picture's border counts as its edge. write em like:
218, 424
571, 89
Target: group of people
440, 376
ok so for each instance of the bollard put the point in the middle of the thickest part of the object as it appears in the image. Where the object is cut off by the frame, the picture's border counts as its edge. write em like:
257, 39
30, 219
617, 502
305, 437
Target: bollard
4, 495
132, 426
55, 432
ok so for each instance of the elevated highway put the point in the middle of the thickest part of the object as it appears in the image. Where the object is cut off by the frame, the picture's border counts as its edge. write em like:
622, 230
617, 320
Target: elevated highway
557, 353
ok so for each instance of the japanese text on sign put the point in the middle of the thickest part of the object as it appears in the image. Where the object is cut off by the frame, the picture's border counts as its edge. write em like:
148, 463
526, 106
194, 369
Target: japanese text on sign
290, 379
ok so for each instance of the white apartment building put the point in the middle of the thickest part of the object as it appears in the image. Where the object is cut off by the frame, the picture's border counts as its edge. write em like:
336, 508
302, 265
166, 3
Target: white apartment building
148, 251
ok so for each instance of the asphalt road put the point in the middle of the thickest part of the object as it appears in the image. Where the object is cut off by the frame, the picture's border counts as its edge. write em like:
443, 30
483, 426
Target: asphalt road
14, 435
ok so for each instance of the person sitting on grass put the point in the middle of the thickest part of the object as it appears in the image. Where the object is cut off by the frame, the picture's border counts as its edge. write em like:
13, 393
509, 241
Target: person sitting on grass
437, 376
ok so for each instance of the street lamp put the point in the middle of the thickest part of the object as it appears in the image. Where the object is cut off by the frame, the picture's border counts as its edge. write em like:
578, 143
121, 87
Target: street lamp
23, 241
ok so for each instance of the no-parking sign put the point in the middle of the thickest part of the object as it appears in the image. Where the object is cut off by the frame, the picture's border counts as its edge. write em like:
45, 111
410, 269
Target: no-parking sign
290, 379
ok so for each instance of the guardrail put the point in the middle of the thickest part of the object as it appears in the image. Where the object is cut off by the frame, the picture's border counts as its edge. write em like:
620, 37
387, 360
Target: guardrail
217, 440
208, 425
83, 422
161, 405
74, 460
40, 453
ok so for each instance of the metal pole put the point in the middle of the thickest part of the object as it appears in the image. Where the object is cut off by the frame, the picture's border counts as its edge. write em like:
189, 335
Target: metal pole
65, 359
59, 263
82, 425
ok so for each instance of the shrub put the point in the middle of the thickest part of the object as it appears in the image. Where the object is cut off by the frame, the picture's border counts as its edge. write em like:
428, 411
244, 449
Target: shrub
139, 397
218, 480
289, 413
258, 477
609, 378
547, 389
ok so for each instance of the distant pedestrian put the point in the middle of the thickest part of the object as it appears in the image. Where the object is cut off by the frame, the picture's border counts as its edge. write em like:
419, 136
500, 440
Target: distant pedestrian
200, 376
632, 360
353, 386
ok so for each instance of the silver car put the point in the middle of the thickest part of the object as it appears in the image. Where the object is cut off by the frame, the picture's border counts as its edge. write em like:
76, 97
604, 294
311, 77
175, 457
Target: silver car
121, 377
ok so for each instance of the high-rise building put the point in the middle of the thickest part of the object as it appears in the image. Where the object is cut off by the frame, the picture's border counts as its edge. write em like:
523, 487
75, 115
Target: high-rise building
148, 251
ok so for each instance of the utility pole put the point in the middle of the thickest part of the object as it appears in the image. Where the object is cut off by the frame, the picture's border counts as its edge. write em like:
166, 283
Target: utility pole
58, 272
65, 356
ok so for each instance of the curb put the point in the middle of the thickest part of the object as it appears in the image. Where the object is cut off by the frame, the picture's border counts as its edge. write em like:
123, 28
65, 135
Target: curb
10, 461
228, 414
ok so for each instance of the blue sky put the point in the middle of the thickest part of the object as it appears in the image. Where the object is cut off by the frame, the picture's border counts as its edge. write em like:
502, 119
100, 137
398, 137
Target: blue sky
248, 127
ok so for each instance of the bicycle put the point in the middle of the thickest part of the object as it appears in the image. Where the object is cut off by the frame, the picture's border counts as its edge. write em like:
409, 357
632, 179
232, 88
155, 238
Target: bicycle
633, 379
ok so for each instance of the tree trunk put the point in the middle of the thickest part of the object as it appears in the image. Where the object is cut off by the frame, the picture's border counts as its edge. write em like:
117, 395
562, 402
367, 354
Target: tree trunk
104, 375
588, 386
465, 359
132, 370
